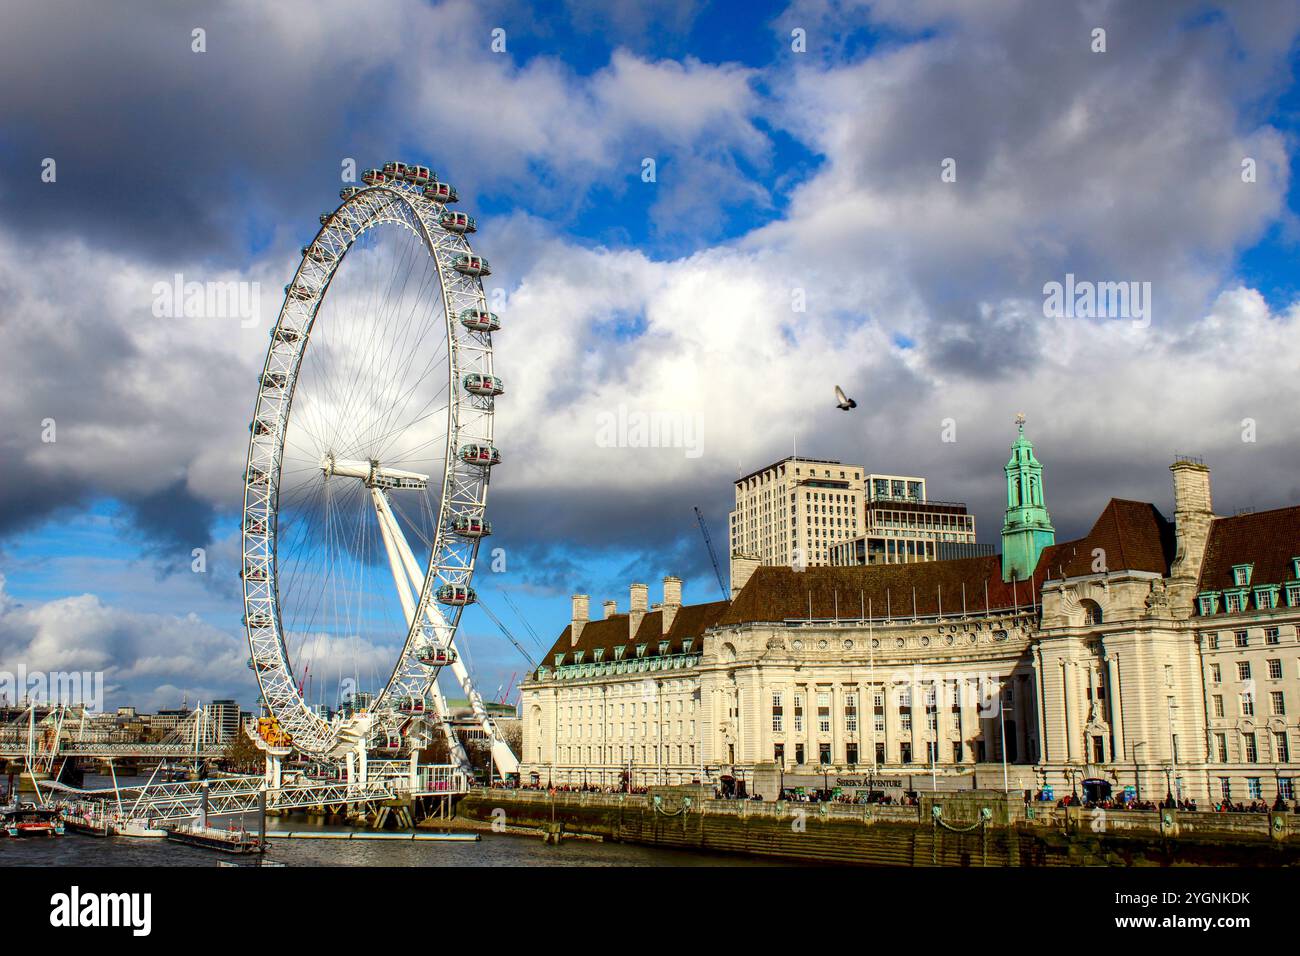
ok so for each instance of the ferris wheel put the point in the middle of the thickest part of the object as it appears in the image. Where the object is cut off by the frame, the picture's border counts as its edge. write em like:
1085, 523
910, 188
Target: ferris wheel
365, 490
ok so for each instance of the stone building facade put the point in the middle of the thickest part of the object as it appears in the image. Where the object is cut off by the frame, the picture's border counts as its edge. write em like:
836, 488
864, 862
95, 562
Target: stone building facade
1153, 654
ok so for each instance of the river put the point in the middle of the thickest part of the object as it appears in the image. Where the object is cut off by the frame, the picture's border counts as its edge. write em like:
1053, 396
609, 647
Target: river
492, 849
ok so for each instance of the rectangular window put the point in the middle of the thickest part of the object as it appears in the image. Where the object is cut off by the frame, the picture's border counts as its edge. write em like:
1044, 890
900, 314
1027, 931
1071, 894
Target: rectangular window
1253, 788
1241, 638
1225, 788
798, 714
1252, 748
905, 753
1276, 702
851, 754
1218, 705
1275, 669
956, 751
851, 715
1214, 642
1247, 704
905, 722
1221, 742
1216, 675
1272, 635
1281, 747
880, 723
824, 713
1243, 670
778, 713
1286, 788
823, 753
798, 753
1233, 602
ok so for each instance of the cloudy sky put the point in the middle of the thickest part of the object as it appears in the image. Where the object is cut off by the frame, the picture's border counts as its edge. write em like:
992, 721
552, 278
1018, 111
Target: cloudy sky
873, 194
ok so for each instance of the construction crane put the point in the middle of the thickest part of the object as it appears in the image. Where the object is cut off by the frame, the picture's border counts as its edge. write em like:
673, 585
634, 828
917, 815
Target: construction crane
708, 543
502, 628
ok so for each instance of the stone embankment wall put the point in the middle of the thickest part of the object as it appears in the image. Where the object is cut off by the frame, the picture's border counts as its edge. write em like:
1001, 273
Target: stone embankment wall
973, 828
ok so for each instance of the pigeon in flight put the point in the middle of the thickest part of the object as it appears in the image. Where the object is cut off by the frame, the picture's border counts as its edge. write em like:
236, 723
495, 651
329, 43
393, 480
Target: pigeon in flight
842, 401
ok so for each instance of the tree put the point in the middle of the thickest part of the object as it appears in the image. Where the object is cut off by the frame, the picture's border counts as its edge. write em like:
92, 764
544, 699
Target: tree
242, 755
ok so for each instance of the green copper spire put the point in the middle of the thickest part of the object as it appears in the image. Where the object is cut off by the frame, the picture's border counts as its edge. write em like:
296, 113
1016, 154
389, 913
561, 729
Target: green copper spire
1027, 528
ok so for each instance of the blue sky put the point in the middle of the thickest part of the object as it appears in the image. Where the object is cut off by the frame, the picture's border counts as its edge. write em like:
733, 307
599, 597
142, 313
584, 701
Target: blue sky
777, 172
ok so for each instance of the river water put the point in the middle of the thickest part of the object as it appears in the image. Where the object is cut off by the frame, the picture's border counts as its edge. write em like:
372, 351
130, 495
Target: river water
491, 849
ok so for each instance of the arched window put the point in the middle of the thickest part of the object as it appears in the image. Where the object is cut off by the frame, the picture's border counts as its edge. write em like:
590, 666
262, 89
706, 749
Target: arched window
1092, 615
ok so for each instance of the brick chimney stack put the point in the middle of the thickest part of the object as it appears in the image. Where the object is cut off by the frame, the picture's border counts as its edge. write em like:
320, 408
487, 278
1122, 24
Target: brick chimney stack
611, 608
1193, 515
581, 611
640, 603
743, 567
672, 601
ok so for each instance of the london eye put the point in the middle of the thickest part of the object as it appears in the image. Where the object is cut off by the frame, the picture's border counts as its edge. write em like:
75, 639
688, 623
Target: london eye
369, 458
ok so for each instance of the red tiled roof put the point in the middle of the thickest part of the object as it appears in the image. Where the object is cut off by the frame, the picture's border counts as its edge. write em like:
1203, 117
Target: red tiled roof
1133, 536
691, 621
1266, 539
781, 593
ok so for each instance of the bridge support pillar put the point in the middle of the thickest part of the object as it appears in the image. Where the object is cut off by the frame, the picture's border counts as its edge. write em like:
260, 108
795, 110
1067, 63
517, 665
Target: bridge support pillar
274, 766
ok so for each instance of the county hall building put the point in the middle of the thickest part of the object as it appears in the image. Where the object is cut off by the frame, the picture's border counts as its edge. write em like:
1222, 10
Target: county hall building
1153, 653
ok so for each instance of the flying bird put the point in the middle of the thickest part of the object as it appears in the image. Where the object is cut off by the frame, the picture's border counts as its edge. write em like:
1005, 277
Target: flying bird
842, 401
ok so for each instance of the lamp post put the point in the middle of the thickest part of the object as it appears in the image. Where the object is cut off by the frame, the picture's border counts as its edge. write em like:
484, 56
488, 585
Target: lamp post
1137, 770
1173, 751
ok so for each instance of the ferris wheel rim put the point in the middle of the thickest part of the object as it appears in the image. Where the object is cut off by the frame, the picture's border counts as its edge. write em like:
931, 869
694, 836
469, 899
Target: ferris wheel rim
464, 484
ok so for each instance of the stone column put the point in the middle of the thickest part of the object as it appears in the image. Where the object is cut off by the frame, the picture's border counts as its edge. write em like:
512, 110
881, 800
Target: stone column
1116, 707
1070, 706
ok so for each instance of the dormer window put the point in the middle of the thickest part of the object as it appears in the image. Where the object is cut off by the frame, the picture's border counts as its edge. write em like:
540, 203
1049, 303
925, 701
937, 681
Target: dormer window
663, 648
1241, 574
618, 653
687, 644
1293, 594
598, 654
1208, 603
640, 650
1234, 601
1266, 597
1295, 567
577, 656
559, 659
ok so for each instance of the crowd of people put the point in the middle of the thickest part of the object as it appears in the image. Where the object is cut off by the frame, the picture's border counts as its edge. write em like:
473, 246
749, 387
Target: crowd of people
1188, 805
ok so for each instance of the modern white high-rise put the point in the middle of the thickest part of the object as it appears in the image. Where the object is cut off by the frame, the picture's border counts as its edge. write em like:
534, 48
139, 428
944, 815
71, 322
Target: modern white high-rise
795, 510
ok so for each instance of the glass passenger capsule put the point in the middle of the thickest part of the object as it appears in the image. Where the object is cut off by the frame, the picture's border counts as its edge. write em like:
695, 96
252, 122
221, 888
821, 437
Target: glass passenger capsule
441, 192
325, 218
347, 192
480, 320
372, 176
253, 574
255, 476
458, 222
475, 454
255, 525
419, 175
471, 526
260, 426
300, 292
274, 380
478, 384
286, 335
257, 620
471, 266
395, 170
431, 655
411, 705
456, 595
315, 253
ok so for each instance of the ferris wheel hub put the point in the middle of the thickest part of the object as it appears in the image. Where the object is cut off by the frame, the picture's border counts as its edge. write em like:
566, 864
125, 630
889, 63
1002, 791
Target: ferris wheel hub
372, 473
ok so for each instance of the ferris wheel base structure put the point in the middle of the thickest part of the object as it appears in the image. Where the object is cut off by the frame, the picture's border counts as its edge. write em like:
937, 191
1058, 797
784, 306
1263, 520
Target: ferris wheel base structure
350, 456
